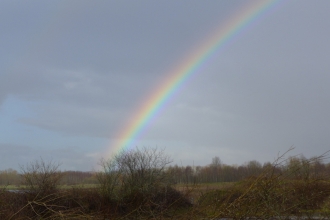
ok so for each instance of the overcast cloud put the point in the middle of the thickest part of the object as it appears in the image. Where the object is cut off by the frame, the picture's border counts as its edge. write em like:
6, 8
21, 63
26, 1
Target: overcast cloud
73, 72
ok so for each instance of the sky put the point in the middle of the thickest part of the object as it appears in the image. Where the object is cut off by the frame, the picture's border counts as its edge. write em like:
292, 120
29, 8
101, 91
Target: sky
73, 72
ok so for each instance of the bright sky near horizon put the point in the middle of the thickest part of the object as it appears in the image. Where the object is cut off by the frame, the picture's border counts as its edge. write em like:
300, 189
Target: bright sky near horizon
73, 72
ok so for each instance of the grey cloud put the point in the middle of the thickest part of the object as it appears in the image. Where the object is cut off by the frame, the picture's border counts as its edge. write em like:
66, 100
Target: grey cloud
111, 36
74, 86
75, 120
78, 102
14, 156
85, 68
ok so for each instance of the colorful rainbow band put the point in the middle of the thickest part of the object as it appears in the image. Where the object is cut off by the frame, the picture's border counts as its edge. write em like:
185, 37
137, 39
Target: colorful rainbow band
190, 66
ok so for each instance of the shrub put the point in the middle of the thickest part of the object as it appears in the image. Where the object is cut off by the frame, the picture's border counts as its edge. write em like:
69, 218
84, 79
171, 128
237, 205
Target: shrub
41, 177
136, 180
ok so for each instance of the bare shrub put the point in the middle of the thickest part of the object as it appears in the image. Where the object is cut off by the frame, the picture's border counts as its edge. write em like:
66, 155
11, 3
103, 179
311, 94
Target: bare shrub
41, 177
137, 181
143, 170
40, 198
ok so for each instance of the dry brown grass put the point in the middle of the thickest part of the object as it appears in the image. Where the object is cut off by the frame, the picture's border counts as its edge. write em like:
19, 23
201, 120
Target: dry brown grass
296, 192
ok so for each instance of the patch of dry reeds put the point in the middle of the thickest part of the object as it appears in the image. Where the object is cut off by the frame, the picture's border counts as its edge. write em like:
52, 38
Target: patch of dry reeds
294, 191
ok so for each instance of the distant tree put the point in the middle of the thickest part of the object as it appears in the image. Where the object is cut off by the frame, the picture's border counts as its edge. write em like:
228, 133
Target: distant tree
9, 176
215, 169
188, 174
254, 168
77, 177
216, 162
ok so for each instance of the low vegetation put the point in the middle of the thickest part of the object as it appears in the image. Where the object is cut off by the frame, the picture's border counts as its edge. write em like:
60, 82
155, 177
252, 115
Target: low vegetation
140, 184
280, 191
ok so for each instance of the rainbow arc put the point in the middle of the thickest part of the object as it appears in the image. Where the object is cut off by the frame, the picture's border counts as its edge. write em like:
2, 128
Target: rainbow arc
191, 65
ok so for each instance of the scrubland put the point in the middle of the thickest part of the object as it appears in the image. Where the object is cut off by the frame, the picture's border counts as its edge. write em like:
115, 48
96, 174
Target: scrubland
141, 184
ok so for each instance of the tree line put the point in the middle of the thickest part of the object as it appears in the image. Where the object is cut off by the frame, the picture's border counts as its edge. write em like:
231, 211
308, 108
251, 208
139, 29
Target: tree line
216, 171
219, 172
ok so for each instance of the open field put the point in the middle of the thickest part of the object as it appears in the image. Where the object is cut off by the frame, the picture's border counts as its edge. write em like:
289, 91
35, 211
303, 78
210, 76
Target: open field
195, 191
18, 187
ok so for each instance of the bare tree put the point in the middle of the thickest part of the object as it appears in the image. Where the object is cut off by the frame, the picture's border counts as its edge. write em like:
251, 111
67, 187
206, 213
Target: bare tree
109, 178
216, 162
143, 169
41, 177
137, 178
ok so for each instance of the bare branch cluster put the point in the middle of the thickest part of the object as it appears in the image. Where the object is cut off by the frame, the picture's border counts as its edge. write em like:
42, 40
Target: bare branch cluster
137, 180
41, 177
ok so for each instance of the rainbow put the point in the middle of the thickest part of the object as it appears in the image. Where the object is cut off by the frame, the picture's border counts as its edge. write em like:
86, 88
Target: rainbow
186, 69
